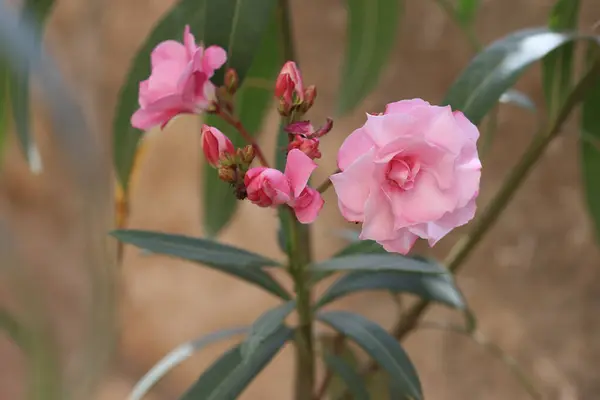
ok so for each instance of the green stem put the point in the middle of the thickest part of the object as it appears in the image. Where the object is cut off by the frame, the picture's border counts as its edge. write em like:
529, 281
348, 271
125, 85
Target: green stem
299, 254
300, 257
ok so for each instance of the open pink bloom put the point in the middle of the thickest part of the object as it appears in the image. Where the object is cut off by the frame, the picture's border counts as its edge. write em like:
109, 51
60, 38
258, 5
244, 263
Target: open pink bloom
411, 172
214, 144
289, 82
179, 81
268, 187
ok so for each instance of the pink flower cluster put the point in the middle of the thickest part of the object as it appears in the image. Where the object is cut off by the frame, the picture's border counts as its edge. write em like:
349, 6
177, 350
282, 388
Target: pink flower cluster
411, 172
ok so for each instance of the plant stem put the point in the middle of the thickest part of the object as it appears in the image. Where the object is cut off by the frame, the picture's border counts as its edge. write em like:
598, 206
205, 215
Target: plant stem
237, 124
300, 256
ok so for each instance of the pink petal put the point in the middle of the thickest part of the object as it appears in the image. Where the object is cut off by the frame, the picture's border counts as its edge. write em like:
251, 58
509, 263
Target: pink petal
434, 231
467, 127
145, 120
424, 202
355, 145
298, 169
443, 131
168, 51
383, 129
404, 106
353, 187
189, 41
214, 58
401, 244
277, 186
309, 213
379, 219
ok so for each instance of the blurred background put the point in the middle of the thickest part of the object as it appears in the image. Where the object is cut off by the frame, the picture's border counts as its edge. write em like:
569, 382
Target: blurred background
534, 282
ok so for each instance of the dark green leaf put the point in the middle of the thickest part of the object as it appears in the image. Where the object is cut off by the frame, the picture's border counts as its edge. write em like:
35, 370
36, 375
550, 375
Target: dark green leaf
512, 96
236, 25
4, 105
371, 34
35, 13
176, 357
590, 152
382, 347
265, 326
251, 105
227, 378
558, 64
494, 70
351, 378
377, 262
466, 10
430, 287
240, 263
361, 247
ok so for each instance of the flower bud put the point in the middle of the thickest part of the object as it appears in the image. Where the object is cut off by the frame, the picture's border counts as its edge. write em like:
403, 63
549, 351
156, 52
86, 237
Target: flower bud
246, 154
289, 88
227, 174
231, 81
300, 128
310, 94
215, 144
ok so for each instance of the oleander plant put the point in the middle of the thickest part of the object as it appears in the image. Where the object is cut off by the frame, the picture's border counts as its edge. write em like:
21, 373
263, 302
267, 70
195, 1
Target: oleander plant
410, 172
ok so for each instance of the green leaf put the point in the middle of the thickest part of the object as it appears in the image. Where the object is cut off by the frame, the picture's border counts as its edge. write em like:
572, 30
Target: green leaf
466, 10
227, 378
236, 25
371, 34
495, 69
382, 347
265, 326
35, 14
558, 64
234, 261
351, 378
283, 214
4, 105
590, 152
176, 357
430, 287
252, 102
518, 98
361, 247
377, 262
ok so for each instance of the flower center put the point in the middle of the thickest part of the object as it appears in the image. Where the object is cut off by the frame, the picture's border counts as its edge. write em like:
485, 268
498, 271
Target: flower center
402, 171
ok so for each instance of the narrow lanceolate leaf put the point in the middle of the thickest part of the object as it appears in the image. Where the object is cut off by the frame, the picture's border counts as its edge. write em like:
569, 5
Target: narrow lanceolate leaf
350, 377
227, 378
238, 262
439, 288
518, 98
495, 69
176, 357
265, 326
361, 247
382, 347
4, 104
252, 102
35, 14
590, 152
377, 262
236, 25
371, 34
557, 65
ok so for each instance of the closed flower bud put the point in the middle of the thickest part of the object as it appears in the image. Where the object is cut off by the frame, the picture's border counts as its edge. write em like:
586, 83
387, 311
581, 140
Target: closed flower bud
310, 94
247, 154
215, 144
231, 81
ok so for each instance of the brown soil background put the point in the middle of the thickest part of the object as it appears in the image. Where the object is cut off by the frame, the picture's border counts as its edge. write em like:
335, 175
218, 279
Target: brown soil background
534, 283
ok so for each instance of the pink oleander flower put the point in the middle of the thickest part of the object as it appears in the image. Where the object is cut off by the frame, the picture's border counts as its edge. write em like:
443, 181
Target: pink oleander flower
268, 187
289, 82
179, 82
310, 147
411, 172
214, 144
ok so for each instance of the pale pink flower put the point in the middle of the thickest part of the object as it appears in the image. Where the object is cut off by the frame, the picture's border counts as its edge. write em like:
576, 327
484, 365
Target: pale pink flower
289, 82
411, 172
214, 144
179, 81
268, 187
